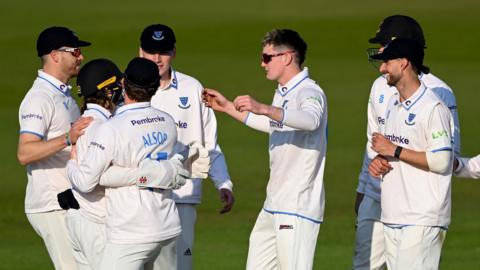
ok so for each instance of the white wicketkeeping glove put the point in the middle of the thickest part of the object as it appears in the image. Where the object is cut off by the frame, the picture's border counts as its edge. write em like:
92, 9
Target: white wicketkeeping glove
164, 174
198, 161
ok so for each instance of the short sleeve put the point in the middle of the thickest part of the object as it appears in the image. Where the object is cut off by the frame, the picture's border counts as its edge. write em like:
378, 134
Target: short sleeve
35, 114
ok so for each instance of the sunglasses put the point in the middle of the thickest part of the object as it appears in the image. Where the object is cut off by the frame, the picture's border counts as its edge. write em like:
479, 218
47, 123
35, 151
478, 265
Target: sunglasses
266, 58
76, 52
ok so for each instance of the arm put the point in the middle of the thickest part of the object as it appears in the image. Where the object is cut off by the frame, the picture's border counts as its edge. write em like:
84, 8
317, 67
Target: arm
84, 175
164, 174
32, 147
468, 167
218, 169
438, 157
215, 100
35, 116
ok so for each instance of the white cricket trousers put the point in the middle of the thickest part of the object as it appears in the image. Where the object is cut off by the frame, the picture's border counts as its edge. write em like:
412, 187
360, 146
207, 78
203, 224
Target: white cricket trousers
282, 241
51, 227
369, 238
413, 247
184, 246
137, 256
88, 240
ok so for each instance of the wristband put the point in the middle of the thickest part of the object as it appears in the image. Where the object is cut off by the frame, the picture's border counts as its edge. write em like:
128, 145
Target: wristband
67, 138
398, 151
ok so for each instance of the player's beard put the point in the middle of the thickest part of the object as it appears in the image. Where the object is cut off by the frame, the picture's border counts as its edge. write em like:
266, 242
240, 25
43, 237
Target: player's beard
392, 80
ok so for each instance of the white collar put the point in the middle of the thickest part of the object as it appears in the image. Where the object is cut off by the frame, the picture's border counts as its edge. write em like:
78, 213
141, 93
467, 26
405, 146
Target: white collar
58, 85
132, 106
293, 83
99, 110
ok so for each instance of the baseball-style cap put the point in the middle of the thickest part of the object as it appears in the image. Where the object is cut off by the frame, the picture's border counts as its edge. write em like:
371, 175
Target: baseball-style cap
398, 26
56, 37
142, 73
157, 38
98, 75
403, 48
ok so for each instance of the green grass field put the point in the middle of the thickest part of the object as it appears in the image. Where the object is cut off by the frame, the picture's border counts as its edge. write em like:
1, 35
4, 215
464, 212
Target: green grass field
219, 43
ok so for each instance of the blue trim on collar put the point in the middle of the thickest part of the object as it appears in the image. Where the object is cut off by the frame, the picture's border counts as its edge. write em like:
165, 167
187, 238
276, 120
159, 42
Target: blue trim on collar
67, 90
413, 103
131, 110
102, 113
284, 93
174, 81
31, 132
293, 214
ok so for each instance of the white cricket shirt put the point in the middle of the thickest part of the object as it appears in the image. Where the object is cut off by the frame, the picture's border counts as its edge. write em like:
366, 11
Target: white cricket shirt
92, 204
380, 94
134, 215
47, 111
297, 155
195, 123
412, 196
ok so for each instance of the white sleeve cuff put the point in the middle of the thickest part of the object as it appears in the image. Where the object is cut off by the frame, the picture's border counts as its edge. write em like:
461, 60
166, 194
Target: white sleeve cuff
439, 162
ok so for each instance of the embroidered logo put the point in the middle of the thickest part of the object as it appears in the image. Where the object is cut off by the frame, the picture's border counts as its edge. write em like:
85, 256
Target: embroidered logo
187, 252
184, 103
410, 121
285, 227
382, 97
142, 180
158, 35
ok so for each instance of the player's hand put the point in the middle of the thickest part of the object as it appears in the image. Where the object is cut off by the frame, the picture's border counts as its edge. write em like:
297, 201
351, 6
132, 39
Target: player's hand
382, 145
379, 166
215, 100
78, 128
226, 197
249, 104
73, 152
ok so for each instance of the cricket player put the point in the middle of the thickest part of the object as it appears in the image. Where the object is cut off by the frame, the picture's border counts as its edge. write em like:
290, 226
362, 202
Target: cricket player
99, 83
369, 241
286, 230
416, 140
180, 96
140, 221
46, 115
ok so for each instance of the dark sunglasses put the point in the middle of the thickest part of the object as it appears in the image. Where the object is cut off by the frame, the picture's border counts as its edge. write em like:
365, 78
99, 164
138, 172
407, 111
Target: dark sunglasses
266, 58
76, 52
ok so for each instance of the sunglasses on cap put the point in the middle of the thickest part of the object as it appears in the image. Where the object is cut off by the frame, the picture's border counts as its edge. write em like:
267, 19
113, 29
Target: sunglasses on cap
266, 58
76, 52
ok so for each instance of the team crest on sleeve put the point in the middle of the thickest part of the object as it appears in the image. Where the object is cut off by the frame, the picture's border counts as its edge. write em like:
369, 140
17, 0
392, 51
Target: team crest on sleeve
184, 103
158, 35
410, 119
382, 97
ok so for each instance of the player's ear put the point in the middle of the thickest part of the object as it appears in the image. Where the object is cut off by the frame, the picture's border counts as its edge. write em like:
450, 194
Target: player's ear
404, 63
54, 56
174, 52
289, 58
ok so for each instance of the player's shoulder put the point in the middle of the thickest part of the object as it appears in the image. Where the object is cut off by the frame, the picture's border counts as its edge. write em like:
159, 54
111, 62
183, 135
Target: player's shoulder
37, 97
440, 88
432, 81
185, 81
